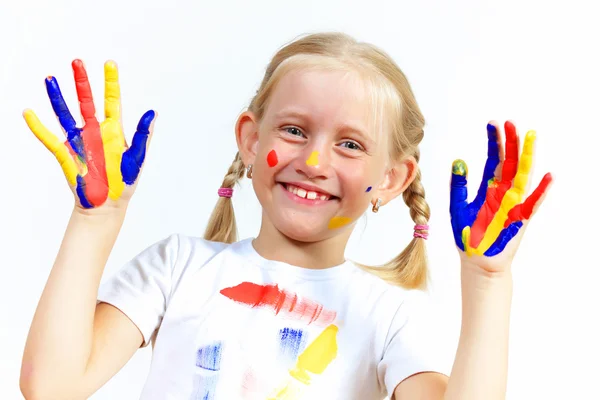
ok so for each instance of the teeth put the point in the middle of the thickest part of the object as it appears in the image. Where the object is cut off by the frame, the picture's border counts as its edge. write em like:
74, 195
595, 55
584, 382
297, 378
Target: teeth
305, 194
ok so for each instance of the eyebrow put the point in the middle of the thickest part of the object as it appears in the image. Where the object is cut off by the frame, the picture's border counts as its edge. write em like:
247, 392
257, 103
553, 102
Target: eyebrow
344, 127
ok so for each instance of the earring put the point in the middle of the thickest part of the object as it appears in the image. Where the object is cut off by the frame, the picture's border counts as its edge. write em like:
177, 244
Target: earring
377, 205
249, 171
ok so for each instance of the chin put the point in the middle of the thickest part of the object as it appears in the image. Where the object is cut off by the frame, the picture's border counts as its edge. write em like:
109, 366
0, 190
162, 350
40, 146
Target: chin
304, 233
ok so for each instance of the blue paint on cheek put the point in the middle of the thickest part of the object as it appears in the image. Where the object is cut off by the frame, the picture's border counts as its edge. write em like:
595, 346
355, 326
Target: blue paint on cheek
369, 189
208, 361
503, 238
290, 342
81, 193
133, 157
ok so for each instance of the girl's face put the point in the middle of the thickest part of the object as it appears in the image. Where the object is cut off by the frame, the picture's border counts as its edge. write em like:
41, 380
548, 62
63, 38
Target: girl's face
316, 163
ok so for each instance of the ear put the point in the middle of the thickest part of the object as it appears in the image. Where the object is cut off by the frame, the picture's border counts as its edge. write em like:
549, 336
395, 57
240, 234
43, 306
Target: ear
397, 179
246, 136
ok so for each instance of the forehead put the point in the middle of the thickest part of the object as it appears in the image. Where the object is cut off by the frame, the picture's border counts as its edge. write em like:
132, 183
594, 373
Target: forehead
329, 97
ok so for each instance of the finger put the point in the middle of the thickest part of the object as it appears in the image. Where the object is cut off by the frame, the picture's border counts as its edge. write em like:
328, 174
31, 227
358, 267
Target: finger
525, 210
511, 160
112, 92
466, 239
458, 199
60, 108
490, 166
503, 238
84, 93
52, 143
134, 156
525, 163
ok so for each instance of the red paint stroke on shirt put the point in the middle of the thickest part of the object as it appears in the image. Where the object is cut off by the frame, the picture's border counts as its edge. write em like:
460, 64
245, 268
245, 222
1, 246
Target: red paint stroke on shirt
283, 302
272, 158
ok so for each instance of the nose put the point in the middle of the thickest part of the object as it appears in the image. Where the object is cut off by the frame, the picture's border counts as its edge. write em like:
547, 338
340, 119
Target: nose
314, 162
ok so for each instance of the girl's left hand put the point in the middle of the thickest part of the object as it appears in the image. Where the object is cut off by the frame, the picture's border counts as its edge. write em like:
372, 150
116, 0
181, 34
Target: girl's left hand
488, 230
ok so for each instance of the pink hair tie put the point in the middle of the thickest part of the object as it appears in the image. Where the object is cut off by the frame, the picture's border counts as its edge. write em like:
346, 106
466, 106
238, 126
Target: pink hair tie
422, 235
225, 192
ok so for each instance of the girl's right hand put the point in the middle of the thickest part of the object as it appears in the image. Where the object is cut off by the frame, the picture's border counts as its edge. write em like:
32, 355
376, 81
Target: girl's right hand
101, 169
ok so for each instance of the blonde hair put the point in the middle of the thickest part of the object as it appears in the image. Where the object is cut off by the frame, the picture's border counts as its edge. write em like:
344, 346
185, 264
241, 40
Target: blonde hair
403, 119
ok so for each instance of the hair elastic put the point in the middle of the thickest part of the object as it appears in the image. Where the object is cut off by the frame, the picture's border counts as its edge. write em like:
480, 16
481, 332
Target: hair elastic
422, 235
225, 192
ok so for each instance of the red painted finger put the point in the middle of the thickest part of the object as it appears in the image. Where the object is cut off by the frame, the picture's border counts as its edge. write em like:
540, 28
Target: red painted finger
526, 209
84, 92
511, 161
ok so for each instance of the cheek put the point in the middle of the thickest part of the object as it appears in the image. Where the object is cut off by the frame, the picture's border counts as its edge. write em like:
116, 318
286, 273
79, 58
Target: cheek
357, 180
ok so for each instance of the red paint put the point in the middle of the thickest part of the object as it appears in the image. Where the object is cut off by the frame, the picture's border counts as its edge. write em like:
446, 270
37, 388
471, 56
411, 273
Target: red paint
281, 302
272, 158
525, 210
96, 181
497, 188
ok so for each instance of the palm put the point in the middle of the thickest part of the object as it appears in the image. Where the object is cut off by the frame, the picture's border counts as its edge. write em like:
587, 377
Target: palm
487, 229
95, 158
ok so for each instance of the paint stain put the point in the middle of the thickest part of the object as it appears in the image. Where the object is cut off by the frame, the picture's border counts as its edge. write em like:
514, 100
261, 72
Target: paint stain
338, 222
291, 341
313, 160
313, 361
272, 158
369, 189
282, 302
208, 363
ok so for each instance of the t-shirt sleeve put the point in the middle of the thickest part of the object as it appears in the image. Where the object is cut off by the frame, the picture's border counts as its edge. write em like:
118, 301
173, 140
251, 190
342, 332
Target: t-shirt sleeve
141, 287
413, 343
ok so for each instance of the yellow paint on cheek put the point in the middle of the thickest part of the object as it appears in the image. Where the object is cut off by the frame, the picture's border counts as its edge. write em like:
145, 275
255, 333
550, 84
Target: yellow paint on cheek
338, 222
313, 160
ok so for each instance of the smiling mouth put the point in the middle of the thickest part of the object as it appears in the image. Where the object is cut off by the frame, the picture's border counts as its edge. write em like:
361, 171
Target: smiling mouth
307, 194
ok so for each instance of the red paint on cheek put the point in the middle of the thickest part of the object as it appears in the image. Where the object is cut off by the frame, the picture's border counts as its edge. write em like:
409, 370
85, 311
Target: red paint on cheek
272, 158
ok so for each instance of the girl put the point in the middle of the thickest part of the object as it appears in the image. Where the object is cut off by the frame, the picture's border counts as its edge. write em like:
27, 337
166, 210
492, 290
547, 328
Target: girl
333, 130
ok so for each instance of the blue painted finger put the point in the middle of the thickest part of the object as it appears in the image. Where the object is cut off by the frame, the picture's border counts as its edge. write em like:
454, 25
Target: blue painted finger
503, 238
64, 116
458, 200
490, 167
133, 157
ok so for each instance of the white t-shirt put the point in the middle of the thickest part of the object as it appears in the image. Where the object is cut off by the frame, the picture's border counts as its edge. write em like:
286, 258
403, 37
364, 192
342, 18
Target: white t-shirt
226, 323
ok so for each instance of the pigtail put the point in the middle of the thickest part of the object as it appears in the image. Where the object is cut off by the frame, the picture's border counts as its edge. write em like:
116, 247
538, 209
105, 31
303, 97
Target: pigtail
221, 225
409, 268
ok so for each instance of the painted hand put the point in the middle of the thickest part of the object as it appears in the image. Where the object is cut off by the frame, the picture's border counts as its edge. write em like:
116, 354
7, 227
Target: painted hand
95, 159
485, 226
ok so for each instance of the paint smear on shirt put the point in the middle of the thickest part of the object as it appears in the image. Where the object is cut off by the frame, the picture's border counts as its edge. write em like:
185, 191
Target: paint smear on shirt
208, 365
282, 302
291, 341
313, 361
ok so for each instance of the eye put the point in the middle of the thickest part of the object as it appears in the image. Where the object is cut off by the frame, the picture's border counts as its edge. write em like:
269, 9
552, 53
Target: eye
292, 130
351, 145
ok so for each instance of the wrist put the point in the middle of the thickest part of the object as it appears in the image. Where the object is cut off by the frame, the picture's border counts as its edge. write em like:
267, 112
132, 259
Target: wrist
99, 216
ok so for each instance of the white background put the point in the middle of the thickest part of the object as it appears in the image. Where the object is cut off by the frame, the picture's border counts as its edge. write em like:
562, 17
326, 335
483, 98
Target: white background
198, 63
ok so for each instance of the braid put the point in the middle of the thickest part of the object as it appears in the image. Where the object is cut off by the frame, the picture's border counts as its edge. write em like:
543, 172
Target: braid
221, 225
414, 197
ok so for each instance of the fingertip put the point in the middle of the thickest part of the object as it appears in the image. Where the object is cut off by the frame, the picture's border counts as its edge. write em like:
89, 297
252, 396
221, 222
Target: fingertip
459, 167
492, 127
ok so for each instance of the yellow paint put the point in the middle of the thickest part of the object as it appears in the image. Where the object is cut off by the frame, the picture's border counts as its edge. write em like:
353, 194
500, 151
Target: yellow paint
512, 197
313, 160
338, 222
113, 139
459, 167
58, 148
466, 239
314, 359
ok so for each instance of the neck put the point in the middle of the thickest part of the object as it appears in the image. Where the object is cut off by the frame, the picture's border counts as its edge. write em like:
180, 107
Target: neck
274, 245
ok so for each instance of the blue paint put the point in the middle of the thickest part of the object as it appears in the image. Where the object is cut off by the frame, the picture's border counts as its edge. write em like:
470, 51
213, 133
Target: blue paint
208, 361
64, 116
133, 157
503, 238
369, 189
461, 212
291, 342
81, 193
209, 357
